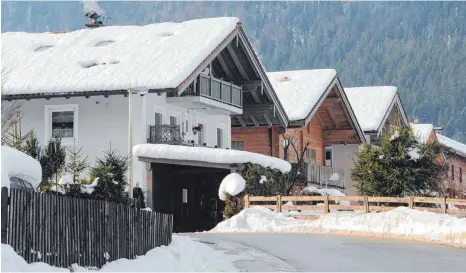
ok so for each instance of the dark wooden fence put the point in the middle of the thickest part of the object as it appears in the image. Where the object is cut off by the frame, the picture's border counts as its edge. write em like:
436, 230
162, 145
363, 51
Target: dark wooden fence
61, 231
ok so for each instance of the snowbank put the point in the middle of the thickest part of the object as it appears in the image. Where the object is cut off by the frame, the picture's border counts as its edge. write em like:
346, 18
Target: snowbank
21, 165
210, 155
399, 221
156, 56
232, 184
12, 262
370, 104
300, 90
184, 254
329, 192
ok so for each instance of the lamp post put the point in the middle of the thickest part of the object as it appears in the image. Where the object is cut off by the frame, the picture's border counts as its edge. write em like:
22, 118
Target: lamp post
141, 91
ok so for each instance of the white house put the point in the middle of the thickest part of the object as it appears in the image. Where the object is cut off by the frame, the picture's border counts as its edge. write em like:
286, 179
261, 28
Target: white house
182, 76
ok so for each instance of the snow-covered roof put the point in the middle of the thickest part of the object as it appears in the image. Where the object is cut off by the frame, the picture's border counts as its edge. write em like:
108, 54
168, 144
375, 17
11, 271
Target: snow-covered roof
209, 155
370, 104
20, 165
300, 90
457, 147
422, 131
110, 58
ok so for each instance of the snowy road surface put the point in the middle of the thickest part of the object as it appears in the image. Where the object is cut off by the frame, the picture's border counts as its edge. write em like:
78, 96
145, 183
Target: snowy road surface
314, 252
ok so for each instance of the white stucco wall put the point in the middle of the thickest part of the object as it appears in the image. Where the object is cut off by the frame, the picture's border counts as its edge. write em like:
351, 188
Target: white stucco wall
102, 122
343, 159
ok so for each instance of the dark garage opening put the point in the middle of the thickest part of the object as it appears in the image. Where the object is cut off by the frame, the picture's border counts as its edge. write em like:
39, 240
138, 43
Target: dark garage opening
190, 193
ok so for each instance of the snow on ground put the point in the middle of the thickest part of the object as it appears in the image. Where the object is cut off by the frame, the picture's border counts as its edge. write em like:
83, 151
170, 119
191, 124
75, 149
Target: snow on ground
300, 90
210, 155
456, 146
329, 192
156, 56
20, 165
370, 104
184, 254
399, 221
232, 184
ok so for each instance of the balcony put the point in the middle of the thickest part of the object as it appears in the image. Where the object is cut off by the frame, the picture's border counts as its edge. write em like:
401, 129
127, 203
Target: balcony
166, 134
325, 176
211, 95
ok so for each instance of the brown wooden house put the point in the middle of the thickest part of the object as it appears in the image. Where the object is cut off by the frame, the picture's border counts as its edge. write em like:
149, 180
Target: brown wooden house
320, 116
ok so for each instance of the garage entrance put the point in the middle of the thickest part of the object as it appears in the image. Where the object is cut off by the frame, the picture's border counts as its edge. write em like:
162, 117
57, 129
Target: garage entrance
190, 193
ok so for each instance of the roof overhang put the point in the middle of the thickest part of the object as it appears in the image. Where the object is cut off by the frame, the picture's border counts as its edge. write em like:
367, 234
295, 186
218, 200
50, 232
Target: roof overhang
193, 163
348, 108
395, 102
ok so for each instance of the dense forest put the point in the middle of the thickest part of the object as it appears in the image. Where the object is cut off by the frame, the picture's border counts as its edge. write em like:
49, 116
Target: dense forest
418, 46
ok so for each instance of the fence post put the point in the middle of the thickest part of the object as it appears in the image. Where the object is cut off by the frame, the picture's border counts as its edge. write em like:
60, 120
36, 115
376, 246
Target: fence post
326, 206
366, 204
279, 203
246, 201
444, 205
411, 202
4, 216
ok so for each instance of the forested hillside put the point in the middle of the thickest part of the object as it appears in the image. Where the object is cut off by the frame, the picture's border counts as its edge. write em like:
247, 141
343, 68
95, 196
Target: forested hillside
418, 46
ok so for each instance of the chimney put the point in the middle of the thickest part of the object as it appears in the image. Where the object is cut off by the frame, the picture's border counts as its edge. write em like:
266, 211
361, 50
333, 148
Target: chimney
93, 21
438, 130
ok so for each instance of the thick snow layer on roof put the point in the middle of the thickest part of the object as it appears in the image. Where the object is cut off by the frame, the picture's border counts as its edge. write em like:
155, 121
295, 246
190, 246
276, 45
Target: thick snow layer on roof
184, 254
156, 56
454, 145
370, 104
399, 221
210, 155
20, 165
232, 184
422, 131
300, 90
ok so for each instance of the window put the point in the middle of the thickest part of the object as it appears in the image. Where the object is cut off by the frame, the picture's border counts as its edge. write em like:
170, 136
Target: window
237, 145
173, 120
313, 155
461, 175
200, 135
62, 124
62, 121
328, 156
452, 172
158, 119
219, 138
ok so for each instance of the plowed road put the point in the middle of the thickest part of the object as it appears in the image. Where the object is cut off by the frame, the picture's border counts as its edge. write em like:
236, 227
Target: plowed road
311, 252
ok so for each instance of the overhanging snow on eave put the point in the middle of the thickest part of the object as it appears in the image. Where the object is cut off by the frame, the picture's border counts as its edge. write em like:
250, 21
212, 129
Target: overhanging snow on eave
76, 94
194, 163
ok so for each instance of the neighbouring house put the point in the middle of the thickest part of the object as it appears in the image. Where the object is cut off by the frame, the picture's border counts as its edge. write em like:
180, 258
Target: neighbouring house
320, 114
377, 109
118, 86
455, 156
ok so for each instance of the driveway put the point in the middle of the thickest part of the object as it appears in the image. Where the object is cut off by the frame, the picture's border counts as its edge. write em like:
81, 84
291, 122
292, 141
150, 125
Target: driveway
313, 252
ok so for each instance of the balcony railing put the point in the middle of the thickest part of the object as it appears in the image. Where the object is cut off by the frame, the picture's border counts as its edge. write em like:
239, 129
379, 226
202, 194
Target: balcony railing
167, 134
325, 176
220, 90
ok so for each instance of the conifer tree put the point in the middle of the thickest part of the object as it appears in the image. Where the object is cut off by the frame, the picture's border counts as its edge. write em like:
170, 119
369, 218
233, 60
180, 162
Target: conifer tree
399, 167
76, 164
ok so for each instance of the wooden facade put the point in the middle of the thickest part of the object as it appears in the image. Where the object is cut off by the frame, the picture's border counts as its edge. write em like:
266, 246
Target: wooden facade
331, 124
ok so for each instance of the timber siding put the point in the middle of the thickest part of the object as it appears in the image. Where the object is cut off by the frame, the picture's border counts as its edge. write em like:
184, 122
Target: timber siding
258, 140
456, 176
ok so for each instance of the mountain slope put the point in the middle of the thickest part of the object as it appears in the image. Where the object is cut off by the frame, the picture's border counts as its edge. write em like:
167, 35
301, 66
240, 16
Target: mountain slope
418, 46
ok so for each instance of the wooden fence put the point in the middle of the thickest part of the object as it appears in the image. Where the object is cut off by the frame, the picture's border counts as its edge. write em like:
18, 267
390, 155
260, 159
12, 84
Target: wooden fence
357, 203
61, 231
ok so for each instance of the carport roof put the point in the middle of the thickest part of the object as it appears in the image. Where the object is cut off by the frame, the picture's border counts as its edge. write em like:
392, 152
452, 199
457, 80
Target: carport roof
198, 156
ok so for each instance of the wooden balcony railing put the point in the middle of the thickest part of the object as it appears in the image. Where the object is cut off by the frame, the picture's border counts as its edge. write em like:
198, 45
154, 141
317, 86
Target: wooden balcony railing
325, 176
220, 90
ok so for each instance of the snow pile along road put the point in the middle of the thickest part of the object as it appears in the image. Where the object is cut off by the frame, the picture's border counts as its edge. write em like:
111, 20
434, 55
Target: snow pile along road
184, 254
400, 221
